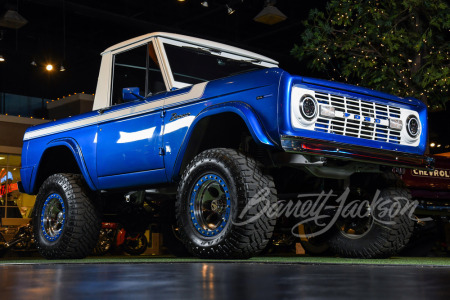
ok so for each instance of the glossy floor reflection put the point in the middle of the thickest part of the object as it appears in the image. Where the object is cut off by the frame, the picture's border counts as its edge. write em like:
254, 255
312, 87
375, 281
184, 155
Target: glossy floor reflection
221, 281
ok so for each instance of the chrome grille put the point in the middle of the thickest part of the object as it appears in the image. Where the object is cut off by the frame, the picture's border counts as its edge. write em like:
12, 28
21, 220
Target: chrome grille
358, 128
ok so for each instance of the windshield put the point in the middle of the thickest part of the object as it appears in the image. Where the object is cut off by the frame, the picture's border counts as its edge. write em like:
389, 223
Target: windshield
191, 65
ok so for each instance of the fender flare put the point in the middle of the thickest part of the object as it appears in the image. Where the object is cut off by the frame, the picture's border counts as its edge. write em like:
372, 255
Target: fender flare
73, 146
243, 110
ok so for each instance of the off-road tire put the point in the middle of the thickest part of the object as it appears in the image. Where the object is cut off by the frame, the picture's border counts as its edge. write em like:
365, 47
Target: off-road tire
382, 240
244, 234
81, 220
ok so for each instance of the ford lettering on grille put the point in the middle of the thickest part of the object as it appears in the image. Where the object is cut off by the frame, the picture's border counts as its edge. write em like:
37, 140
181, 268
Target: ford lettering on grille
363, 118
358, 118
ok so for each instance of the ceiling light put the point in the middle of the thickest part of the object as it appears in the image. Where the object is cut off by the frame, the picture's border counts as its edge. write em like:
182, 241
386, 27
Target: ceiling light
12, 19
270, 15
204, 3
230, 10
62, 69
2, 59
49, 67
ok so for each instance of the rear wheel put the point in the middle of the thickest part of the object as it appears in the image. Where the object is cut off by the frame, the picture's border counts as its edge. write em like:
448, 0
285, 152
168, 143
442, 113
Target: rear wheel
221, 203
383, 232
66, 222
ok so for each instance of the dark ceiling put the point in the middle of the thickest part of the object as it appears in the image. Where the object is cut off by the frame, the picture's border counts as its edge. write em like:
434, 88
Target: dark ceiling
75, 32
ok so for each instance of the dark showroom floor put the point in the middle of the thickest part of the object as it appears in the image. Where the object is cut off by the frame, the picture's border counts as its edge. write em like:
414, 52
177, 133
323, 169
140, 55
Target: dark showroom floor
260, 278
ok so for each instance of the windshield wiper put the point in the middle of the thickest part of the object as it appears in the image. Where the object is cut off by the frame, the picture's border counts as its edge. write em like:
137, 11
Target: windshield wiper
204, 50
248, 61
253, 61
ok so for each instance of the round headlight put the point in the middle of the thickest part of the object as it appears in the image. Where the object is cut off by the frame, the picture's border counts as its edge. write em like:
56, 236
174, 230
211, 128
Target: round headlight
413, 126
308, 107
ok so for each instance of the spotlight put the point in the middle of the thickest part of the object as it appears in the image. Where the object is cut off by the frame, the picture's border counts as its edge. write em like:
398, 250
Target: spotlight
204, 3
12, 19
270, 14
2, 59
49, 67
230, 10
62, 69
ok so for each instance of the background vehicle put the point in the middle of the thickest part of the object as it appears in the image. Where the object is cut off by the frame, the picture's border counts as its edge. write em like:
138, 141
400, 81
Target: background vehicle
432, 189
112, 235
22, 242
222, 130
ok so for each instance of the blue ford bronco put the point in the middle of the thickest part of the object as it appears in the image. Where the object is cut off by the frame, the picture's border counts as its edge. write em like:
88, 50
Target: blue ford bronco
224, 134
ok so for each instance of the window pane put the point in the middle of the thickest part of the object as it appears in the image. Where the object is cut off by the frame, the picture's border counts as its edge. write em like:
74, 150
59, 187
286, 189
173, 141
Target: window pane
194, 65
155, 78
13, 204
22, 105
9, 192
129, 71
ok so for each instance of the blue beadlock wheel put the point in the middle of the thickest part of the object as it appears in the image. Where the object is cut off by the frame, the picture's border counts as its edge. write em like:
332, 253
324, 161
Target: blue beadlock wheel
210, 205
215, 210
53, 217
66, 217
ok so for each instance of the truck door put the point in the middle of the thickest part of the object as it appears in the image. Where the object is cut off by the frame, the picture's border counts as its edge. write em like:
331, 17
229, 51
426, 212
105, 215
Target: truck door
130, 130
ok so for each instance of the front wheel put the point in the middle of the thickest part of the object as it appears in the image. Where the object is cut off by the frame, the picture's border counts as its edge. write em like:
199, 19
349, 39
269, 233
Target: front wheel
67, 223
225, 205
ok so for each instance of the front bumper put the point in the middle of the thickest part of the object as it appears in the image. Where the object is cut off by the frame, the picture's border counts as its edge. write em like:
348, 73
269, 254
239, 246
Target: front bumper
355, 153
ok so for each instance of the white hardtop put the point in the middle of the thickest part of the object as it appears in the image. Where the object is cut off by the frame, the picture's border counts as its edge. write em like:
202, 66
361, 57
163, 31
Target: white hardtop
191, 40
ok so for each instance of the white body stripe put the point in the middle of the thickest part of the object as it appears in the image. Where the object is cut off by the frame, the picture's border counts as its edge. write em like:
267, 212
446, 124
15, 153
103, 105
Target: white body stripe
196, 92
59, 128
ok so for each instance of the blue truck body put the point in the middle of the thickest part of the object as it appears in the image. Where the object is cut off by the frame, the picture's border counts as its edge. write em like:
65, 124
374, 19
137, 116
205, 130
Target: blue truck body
125, 151
209, 128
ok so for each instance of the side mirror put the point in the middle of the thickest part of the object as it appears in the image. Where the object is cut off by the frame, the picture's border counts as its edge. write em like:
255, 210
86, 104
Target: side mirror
131, 94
